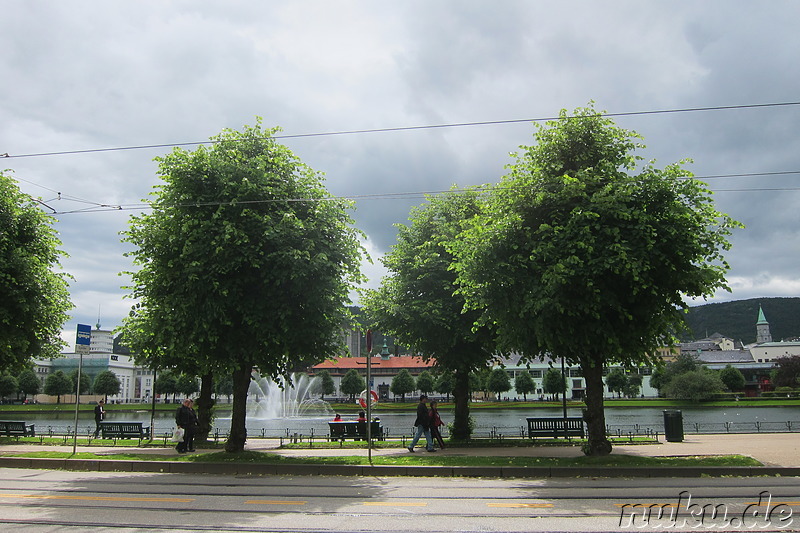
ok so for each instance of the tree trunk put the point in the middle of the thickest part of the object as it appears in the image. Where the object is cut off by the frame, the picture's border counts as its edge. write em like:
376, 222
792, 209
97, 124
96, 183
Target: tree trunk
594, 414
461, 426
238, 435
205, 408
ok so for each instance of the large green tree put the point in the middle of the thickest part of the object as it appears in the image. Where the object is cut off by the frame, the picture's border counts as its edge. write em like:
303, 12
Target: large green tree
425, 382
554, 382
524, 384
324, 383
695, 385
786, 372
403, 383
352, 383
418, 302
733, 378
498, 382
245, 261
34, 297
58, 384
106, 383
616, 381
8, 385
86, 381
29, 383
166, 383
444, 384
585, 252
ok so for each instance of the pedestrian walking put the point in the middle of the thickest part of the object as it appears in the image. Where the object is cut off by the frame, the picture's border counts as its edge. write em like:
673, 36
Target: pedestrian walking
423, 425
186, 419
436, 421
99, 415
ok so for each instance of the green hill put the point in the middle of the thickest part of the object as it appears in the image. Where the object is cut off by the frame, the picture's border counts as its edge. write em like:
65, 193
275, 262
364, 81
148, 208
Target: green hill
737, 319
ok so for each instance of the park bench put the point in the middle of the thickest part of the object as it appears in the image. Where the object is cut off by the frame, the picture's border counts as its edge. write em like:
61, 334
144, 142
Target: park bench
124, 430
16, 429
354, 430
555, 427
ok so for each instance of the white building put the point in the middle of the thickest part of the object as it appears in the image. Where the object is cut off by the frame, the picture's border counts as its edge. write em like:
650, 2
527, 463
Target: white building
99, 359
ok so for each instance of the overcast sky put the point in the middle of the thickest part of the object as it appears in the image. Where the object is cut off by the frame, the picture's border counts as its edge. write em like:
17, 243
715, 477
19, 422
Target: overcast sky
83, 75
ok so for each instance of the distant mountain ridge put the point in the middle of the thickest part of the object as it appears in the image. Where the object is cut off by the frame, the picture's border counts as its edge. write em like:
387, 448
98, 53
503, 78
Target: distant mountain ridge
737, 319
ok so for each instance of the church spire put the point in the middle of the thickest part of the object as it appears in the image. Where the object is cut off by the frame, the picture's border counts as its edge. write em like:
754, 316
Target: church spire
762, 328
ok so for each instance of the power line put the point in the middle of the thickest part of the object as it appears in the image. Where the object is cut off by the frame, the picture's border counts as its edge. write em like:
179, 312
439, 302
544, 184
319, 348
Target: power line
408, 195
403, 128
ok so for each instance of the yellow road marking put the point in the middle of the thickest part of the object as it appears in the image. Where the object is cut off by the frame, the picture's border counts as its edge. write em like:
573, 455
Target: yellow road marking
533, 505
96, 498
275, 502
397, 504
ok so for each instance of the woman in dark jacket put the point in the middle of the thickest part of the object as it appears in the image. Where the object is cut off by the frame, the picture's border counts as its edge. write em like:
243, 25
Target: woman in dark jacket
186, 419
436, 421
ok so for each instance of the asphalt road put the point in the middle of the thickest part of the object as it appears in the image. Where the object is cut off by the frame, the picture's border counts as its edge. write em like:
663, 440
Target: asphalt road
45, 501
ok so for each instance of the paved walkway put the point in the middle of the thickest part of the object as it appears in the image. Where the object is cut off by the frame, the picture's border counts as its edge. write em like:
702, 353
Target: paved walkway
772, 449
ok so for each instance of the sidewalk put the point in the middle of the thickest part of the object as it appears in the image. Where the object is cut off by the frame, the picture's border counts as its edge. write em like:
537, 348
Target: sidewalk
779, 452
772, 449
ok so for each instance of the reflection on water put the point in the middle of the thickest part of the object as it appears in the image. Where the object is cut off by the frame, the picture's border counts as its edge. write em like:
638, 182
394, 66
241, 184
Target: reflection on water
509, 422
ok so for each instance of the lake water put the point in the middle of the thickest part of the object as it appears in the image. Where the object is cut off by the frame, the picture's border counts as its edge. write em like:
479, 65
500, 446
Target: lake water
508, 422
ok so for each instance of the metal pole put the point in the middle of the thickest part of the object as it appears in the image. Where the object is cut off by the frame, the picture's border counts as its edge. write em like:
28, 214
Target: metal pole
369, 407
77, 403
564, 395
153, 408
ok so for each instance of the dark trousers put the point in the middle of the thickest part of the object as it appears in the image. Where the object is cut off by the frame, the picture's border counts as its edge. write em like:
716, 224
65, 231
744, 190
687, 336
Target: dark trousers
188, 440
96, 428
437, 436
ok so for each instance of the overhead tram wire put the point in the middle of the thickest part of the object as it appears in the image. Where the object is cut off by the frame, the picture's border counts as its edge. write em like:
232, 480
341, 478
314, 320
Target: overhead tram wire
410, 195
403, 128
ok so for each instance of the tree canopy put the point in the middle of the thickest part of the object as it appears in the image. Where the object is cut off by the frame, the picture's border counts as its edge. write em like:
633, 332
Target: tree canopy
585, 253
403, 383
106, 383
8, 385
524, 384
58, 384
29, 383
244, 261
352, 383
418, 302
34, 297
325, 384
554, 382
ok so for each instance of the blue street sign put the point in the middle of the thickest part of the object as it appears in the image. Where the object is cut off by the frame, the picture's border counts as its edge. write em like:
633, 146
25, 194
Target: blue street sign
84, 335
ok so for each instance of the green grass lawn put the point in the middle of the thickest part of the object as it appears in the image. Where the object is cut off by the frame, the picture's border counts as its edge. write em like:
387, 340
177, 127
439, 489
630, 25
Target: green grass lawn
415, 460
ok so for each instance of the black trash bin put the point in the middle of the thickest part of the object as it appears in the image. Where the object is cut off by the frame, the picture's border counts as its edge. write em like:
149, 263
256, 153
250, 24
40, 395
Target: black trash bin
673, 425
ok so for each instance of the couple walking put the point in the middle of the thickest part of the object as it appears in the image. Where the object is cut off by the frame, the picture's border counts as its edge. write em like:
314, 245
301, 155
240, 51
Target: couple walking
427, 424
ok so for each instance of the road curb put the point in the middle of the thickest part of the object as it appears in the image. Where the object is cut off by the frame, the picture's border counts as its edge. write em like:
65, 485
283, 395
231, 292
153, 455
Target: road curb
265, 469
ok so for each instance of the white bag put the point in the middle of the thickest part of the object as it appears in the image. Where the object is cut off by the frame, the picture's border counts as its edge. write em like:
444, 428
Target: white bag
177, 436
